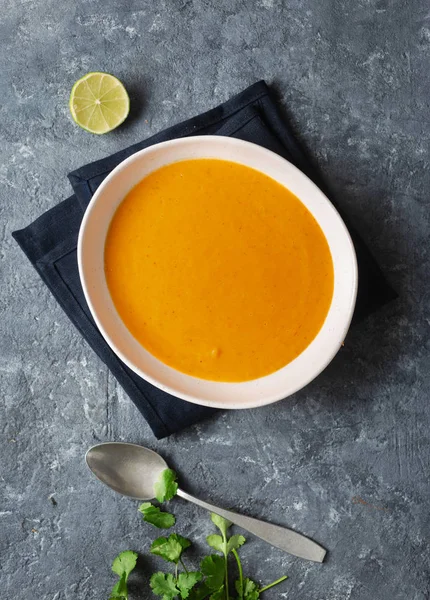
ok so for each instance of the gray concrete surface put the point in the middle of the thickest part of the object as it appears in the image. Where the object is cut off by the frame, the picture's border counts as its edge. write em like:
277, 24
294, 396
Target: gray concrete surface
347, 459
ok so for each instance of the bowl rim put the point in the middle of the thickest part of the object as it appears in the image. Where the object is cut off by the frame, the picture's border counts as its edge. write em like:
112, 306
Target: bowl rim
193, 398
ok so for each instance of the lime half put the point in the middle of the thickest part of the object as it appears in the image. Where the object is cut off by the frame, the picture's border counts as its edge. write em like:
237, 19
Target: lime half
99, 102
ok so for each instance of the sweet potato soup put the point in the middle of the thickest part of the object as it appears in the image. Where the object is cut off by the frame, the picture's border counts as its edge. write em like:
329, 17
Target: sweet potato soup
218, 270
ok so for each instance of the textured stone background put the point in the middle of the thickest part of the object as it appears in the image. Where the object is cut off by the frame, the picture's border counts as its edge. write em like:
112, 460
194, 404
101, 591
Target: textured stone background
354, 76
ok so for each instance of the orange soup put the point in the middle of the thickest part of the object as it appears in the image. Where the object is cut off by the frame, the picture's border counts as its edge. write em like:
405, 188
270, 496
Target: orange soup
218, 270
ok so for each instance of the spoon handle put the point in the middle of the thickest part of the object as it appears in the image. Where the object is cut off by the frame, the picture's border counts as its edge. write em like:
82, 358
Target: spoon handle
280, 537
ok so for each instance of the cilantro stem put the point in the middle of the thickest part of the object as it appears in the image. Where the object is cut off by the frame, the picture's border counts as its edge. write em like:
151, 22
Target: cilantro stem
239, 566
226, 579
226, 565
176, 572
183, 564
274, 583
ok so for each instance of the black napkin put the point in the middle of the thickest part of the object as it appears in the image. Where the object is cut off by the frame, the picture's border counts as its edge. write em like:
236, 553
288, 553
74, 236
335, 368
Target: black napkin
50, 242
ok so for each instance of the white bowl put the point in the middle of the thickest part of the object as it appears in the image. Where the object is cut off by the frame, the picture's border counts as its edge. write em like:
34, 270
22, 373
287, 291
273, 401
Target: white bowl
258, 392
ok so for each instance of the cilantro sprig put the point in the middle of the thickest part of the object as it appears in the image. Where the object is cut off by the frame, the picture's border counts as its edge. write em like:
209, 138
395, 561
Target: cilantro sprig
122, 565
213, 581
223, 544
167, 585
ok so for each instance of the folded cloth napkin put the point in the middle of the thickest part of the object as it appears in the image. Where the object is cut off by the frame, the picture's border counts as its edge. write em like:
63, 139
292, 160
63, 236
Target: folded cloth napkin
50, 242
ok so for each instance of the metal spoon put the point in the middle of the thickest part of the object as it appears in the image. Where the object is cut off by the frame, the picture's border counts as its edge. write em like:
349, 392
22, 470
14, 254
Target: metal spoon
132, 470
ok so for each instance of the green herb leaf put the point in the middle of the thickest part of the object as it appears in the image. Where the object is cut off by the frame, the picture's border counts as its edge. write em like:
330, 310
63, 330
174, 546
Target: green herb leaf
119, 590
218, 595
152, 514
216, 542
170, 548
167, 548
250, 590
221, 523
122, 565
235, 542
186, 582
221, 545
166, 487
163, 584
213, 567
185, 543
200, 593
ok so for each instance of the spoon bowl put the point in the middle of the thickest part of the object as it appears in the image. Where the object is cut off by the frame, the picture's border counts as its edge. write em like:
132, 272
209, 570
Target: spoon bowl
129, 469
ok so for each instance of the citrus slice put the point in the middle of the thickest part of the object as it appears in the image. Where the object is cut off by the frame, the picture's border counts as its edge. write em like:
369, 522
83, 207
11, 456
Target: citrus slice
99, 102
